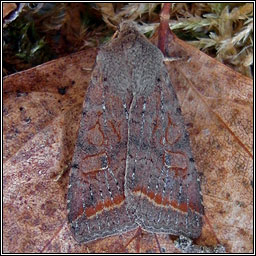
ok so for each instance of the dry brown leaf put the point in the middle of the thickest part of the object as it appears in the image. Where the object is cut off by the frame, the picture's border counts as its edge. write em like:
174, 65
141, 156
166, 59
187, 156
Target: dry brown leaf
42, 108
108, 12
217, 104
8, 8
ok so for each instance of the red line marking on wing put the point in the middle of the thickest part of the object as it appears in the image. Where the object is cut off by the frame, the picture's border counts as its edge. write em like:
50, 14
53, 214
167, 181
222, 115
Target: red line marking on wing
107, 205
179, 163
159, 201
172, 132
116, 132
92, 164
95, 135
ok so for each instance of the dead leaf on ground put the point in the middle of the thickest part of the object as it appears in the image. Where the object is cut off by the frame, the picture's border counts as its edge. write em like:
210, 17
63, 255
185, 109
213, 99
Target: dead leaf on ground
8, 8
42, 109
217, 104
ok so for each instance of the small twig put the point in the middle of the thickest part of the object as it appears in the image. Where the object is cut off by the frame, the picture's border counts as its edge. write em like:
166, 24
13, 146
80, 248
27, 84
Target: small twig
164, 26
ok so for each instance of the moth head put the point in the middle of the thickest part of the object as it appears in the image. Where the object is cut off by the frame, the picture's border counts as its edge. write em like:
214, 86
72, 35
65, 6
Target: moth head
127, 27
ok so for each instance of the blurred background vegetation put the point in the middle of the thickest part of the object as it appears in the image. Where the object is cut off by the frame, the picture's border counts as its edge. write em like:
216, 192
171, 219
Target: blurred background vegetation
35, 33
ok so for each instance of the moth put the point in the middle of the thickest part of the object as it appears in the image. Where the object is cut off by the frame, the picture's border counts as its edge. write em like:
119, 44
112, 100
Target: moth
133, 165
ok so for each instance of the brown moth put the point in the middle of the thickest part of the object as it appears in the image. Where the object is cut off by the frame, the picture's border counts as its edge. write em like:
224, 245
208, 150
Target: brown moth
133, 164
